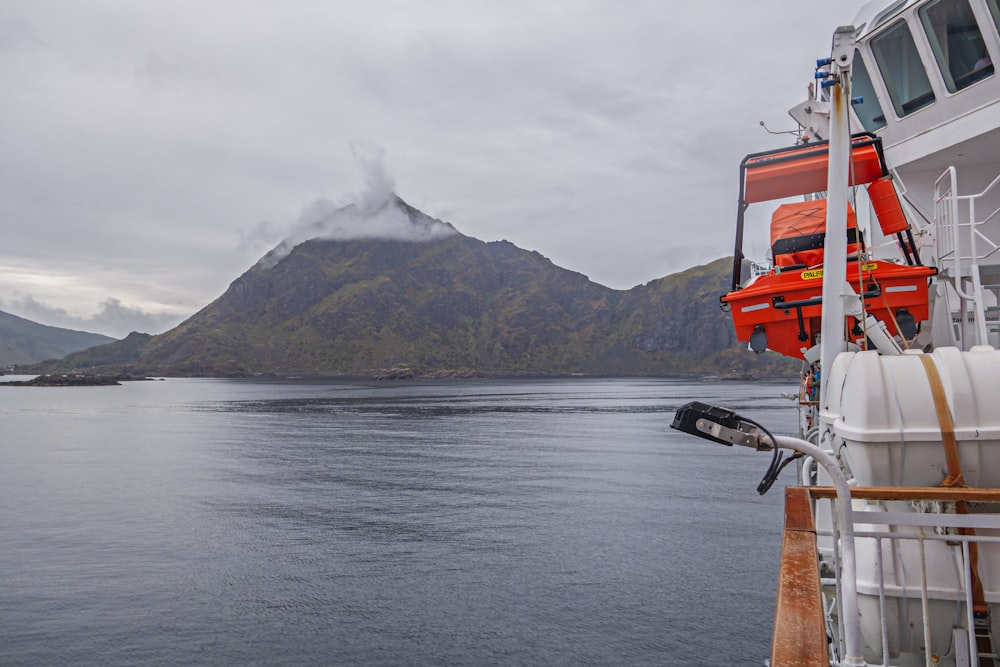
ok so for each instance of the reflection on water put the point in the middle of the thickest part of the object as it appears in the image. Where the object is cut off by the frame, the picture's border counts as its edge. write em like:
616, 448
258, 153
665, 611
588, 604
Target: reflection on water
554, 522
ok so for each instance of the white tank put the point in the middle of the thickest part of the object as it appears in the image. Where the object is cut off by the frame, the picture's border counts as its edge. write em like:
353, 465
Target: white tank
885, 425
882, 412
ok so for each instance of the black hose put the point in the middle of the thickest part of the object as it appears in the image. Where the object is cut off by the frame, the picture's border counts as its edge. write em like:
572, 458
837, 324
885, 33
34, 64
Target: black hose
778, 461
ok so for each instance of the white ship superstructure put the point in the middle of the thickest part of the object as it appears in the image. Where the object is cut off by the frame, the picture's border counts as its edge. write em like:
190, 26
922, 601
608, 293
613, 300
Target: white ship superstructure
885, 281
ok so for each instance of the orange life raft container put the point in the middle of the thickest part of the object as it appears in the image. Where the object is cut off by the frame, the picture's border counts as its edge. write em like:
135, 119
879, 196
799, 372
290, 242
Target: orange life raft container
798, 232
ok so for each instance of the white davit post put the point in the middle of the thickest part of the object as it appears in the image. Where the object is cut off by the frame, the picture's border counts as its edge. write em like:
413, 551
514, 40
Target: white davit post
835, 297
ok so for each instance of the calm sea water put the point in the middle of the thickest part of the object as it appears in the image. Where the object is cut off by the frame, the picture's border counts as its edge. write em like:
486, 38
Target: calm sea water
455, 523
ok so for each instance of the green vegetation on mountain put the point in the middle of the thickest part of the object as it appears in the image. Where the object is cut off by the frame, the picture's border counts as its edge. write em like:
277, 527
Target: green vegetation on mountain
454, 305
25, 342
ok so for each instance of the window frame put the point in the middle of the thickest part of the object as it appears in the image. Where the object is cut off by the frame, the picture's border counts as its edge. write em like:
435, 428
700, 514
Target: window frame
874, 121
893, 84
994, 7
946, 60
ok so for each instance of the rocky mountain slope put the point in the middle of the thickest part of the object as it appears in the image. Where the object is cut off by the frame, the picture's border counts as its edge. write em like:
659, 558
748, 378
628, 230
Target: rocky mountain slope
25, 342
444, 304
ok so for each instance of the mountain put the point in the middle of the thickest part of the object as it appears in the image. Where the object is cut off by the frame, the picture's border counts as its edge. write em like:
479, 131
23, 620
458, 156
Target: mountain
443, 304
25, 342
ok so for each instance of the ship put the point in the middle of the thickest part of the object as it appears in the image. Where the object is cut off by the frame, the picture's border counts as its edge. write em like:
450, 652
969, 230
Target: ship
883, 278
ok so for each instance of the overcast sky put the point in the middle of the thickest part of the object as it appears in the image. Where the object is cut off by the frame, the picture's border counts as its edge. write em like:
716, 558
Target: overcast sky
151, 152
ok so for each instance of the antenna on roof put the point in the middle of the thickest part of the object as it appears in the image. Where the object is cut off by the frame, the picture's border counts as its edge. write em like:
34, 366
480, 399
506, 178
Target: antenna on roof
770, 131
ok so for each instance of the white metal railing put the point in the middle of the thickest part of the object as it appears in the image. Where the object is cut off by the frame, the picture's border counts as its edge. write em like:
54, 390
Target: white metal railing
960, 242
946, 217
898, 542
950, 222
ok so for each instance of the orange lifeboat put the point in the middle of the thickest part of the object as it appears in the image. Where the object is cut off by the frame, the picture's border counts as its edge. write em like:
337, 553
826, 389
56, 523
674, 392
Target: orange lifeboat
782, 310
786, 307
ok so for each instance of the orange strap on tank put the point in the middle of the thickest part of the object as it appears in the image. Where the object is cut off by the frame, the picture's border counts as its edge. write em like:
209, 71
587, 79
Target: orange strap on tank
954, 479
946, 423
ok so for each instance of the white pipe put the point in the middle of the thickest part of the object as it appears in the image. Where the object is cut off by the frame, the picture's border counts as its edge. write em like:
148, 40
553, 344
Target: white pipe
969, 611
836, 294
851, 622
835, 244
881, 602
925, 606
879, 335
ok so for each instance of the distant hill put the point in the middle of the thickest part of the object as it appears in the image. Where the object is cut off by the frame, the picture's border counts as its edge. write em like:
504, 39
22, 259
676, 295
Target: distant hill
25, 342
449, 305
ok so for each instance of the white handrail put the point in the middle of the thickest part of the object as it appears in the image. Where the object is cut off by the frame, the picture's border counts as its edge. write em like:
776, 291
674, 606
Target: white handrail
946, 222
851, 621
949, 221
889, 524
975, 224
948, 225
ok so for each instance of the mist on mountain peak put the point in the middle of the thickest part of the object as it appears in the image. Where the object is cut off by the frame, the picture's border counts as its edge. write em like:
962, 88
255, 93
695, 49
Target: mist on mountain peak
377, 212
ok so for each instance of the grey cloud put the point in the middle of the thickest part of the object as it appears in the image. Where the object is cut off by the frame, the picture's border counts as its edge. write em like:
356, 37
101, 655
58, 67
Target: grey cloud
372, 213
379, 186
113, 318
157, 71
647, 164
323, 220
149, 136
262, 234
616, 103
16, 34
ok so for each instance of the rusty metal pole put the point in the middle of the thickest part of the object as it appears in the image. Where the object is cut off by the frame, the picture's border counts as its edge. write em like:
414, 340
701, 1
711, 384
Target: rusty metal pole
836, 292
837, 296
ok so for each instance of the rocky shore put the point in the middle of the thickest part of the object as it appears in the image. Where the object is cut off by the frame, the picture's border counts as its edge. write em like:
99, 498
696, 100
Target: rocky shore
72, 380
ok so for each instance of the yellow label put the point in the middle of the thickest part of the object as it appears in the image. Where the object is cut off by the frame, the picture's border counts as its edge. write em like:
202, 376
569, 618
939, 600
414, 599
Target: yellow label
816, 274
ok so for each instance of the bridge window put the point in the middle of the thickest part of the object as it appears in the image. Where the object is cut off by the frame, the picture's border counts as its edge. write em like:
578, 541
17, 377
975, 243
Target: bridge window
869, 111
902, 71
995, 11
957, 43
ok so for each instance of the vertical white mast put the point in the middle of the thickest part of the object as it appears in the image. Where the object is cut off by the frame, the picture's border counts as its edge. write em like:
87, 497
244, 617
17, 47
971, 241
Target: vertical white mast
835, 289
837, 295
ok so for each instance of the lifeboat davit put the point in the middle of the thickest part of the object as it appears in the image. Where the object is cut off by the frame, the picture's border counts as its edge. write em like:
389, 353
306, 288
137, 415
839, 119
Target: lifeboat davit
782, 310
